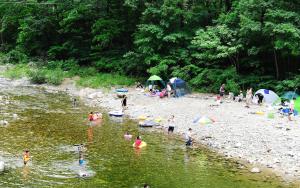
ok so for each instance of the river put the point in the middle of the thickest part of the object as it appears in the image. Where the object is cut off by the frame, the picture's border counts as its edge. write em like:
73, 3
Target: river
51, 129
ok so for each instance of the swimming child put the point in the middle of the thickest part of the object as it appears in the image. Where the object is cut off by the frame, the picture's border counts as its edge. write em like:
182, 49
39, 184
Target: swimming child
26, 157
127, 136
138, 141
91, 116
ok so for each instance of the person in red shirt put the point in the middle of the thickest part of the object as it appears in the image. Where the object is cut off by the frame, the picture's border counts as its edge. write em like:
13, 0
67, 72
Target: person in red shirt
137, 142
91, 116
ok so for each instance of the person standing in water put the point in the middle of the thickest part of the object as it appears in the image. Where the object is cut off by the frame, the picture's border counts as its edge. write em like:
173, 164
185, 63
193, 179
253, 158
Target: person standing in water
124, 102
26, 157
81, 159
74, 101
188, 138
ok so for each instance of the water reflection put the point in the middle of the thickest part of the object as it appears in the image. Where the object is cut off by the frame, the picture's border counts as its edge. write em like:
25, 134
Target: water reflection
90, 134
25, 172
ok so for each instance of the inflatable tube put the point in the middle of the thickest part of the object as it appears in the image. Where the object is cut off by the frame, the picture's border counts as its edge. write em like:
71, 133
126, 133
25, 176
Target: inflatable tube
148, 123
143, 144
116, 113
122, 90
260, 113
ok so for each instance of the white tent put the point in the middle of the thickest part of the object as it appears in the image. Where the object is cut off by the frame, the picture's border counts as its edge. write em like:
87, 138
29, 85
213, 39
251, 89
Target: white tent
270, 96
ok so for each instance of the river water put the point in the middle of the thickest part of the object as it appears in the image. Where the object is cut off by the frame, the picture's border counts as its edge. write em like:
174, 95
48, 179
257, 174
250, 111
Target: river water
51, 129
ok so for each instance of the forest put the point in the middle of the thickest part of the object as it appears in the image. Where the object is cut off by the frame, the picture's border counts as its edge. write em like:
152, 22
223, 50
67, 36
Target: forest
243, 43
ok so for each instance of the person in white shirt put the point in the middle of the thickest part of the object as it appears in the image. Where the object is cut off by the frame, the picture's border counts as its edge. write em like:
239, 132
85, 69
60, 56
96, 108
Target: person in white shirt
169, 89
171, 123
188, 138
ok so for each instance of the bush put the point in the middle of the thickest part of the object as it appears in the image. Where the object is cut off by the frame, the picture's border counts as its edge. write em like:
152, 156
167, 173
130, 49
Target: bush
15, 57
16, 72
37, 76
54, 77
83, 71
66, 65
105, 80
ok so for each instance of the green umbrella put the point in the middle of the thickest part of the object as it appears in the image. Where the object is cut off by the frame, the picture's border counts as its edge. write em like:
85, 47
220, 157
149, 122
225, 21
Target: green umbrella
154, 78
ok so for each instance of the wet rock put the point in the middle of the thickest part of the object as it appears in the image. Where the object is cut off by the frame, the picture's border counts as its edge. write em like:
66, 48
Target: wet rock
255, 170
15, 116
3, 122
237, 145
2, 166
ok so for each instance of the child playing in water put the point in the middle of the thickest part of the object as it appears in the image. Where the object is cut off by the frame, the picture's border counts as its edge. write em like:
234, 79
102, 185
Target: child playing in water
81, 160
26, 157
138, 141
127, 136
91, 116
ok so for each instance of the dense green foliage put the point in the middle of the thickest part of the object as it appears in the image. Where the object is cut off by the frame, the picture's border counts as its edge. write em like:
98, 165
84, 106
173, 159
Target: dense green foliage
206, 42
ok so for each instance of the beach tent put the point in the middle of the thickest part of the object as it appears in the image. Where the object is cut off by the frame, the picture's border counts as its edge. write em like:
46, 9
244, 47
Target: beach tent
270, 96
155, 80
289, 95
180, 87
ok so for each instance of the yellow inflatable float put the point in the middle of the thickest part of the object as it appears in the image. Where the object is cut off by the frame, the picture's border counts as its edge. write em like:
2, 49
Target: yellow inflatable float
143, 144
260, 113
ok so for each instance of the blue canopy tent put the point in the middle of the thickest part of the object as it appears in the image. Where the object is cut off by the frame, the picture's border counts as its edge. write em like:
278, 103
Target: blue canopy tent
180, 87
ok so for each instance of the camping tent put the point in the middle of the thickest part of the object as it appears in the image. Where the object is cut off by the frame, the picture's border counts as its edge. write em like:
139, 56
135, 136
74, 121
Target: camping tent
154, 79
180, 87
270, 96
289, 95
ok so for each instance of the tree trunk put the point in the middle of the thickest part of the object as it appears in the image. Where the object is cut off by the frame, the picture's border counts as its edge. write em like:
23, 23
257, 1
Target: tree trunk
276, 64
227, 5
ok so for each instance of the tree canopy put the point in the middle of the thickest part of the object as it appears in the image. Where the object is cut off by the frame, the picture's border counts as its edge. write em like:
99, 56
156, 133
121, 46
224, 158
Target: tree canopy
207, 42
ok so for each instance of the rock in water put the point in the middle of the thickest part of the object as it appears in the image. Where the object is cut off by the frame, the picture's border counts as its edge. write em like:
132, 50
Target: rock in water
255, 170
15, 116
2, 165
3, 122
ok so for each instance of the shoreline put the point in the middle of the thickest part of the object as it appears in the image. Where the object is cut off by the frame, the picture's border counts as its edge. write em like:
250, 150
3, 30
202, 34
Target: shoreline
251, 140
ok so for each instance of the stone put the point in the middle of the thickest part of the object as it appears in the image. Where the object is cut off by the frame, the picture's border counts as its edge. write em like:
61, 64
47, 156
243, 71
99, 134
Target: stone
255, 170
237, 145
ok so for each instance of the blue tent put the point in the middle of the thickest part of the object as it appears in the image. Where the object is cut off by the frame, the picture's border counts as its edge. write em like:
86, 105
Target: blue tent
180, 87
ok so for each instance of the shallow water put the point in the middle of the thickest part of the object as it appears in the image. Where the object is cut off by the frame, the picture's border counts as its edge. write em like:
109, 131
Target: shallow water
49, 127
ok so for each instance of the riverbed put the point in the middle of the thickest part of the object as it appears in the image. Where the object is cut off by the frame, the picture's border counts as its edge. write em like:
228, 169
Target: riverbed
51, 128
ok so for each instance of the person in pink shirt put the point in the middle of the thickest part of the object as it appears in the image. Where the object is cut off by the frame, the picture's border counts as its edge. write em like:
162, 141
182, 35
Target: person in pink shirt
138, 141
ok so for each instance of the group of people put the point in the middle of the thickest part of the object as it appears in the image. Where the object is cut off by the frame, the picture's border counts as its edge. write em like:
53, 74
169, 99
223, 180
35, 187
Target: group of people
258, 98
94, 116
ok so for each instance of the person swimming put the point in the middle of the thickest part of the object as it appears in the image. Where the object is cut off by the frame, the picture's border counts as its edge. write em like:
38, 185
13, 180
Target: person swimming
26, 157
91, 116
127, 136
